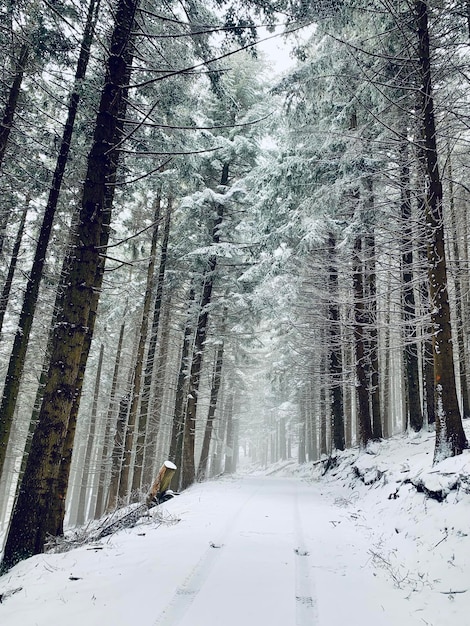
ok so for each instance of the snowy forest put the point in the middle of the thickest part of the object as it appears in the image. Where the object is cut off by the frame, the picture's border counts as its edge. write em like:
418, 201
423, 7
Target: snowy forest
202, 257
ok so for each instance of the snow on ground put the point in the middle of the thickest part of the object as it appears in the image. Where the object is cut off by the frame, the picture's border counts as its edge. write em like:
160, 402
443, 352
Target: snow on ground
381, 539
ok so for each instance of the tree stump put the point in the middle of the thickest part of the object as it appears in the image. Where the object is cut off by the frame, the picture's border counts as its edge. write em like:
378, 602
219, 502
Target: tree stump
161, 482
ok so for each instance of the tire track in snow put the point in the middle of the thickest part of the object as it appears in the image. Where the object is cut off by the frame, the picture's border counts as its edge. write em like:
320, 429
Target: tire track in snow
306, 609
185, 594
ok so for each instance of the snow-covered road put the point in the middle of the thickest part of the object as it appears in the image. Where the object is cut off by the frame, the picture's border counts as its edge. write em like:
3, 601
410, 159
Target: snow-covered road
255, 565
246, 551
279, 553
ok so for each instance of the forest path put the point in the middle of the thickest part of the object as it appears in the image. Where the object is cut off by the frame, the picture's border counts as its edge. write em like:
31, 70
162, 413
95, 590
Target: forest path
238, 551
280, 554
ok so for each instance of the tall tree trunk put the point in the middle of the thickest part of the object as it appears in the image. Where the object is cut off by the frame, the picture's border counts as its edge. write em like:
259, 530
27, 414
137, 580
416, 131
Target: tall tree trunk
85, 266
387, 400
5, 295
302, 429
373, 350
110, 419
335, 349
217, 458
161, 385
450, 436
324, 409
427, 359
459, 309
12, 102
59, 486
230, 436
413, 404
148, 373
139, 364
20, 345
348, 394
363, 409
177, 430
189, 467
215, 386
90, 442
117, 454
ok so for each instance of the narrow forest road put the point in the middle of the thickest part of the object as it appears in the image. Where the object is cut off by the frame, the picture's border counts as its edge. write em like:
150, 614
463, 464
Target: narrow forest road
238, 551
359, 546
281, 554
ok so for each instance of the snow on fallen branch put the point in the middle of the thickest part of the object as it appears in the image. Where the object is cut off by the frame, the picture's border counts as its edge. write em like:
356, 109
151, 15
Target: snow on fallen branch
124, 517
120, 519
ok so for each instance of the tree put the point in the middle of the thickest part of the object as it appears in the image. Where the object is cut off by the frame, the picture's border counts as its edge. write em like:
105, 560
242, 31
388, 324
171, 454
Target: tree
83, 277
450, 436
18, 354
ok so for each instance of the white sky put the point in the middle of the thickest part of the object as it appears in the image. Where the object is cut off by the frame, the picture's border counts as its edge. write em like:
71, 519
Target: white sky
277, 51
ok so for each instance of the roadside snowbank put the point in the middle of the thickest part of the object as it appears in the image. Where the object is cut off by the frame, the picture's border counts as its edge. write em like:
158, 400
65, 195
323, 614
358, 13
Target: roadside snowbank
384, 522
417, 515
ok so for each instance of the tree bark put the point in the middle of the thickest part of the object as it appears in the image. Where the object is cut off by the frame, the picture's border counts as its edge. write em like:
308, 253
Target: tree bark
139, 365
5, 295
215, 386
20, 345
189, 468
59, 485
12, 102
230, 436
110, 418
450, 436
27, 533
372, 348
413, 404
160, 389
363, 409
459, 309
7, 123
118, 453
162, 482
177, 431
90, 442
149, 365
335, 350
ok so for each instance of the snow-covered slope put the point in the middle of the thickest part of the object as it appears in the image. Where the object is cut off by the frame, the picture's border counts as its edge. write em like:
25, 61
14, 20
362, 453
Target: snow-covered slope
381, 539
